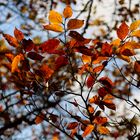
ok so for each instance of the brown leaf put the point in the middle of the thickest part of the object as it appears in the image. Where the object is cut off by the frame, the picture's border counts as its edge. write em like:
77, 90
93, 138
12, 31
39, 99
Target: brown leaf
34, 56
123, 31
137, 67
100, 120
75, 24
90, 81
106, 81
72, 125
39, 119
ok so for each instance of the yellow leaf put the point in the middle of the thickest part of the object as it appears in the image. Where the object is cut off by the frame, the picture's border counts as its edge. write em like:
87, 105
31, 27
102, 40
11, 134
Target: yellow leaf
136, 33
116, 42
103, 130
54, 27
67, 12
86, 59
135, 25
16, 62
88, 130
55, 17
75, 24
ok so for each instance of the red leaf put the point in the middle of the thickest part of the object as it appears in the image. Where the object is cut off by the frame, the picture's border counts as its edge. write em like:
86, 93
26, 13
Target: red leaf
102, 92
72, 125
106, 50
28, 45
90, 81
123, 31
60, 61
18, 35
84, 50
35, 56
106, 82
50, 45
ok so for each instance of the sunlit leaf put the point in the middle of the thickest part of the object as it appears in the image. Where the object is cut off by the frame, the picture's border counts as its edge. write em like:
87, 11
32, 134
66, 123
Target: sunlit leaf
98, 68
72, 125
90, 109
106, 50
15, 63
18, 35
67, 12
11, 40
136, 33
75, 24
123, 31
103, 130
134, 25
54, 27
88, 130
55, 17
39, 119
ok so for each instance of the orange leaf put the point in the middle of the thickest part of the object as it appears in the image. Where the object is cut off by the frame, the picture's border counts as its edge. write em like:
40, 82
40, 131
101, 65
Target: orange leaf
47, 72
72, 125
94, 99
18, 35
99, 59
90, 109
125, 58
135, 25
88, 130
123, 31
137, 67
67, 12
100, 120
136, 33
90, 81
116, 42
55, 17
16, 62
39, 119
11, 40
75, 24
54, 27
1, 108
103, 130
98, 68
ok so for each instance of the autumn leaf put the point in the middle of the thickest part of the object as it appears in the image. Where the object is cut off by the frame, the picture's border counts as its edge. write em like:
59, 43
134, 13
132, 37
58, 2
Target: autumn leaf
94, 99
103, 130
18, 35
123, 31
54, 27
106, 50
134, 25
39, 119
11, 40
106, 81
102, 91
90, 81
135, 33
72, 125
98, 68
90, 109
137, 67
49, 46
75, 24
100, 120
34, 56
88, 130
15, 62
55, 17
67, 12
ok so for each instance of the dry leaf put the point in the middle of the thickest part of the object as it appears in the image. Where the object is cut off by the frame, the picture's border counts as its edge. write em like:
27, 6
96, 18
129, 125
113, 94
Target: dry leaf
88, 130
54, 27
67, 12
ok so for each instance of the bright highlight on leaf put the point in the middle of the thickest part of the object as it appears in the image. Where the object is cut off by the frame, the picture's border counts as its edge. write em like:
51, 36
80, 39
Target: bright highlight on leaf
54, 27
134, 25
55, 17
103, 130
136, 33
